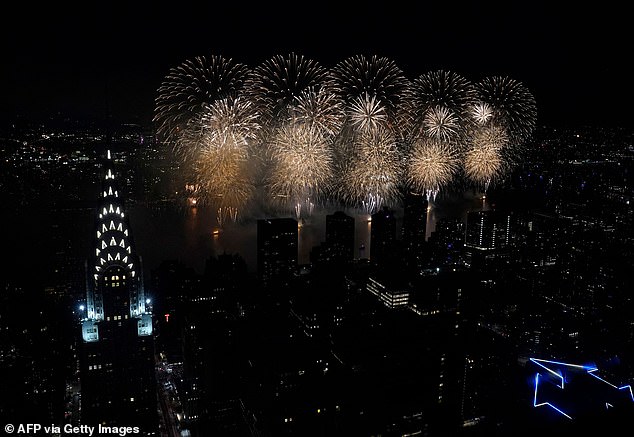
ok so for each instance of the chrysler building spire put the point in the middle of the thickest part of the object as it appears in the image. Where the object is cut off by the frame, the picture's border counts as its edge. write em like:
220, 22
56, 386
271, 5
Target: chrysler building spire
115, 285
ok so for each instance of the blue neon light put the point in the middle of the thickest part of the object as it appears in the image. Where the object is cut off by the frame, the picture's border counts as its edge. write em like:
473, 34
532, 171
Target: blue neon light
628, 387
589, 369
557, 374
535, 404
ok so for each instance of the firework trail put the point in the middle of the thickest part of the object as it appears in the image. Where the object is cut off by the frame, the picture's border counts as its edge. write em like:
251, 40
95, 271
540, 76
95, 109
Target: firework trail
192, 84
372, 89
437, 104
288, 90
224, 177
316, 117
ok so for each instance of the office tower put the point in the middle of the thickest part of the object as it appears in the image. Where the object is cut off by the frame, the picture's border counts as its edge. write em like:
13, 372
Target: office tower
276, 251
117, 376
383, 238
487, 230
389, 291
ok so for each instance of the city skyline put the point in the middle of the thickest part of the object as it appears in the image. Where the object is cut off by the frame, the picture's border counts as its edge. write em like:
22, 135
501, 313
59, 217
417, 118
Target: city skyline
331, 220
443, 328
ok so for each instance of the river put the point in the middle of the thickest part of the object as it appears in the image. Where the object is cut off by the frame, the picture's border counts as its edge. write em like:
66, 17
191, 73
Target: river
192, 235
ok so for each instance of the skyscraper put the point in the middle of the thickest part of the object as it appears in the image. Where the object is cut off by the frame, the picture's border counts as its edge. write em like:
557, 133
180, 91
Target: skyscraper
383, 245
487, 230
414, 228
277, 250
487, 236
117, 376
340, 236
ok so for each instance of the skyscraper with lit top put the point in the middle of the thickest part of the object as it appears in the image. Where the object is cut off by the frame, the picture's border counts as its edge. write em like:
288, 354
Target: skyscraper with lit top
117, 352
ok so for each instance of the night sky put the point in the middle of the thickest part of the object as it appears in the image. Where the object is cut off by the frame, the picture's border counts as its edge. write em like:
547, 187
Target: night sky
87, 60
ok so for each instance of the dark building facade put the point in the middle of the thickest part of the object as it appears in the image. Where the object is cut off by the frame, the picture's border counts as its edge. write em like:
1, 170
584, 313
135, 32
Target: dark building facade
414, 228
276, 250
117, 372
383, 238
340, 236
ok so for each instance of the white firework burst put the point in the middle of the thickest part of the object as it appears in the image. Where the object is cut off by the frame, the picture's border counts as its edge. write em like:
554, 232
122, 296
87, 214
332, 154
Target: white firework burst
367, 113
441, 123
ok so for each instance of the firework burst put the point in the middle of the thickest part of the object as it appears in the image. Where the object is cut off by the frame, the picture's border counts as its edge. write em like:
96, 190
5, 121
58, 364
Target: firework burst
481, 113
376, 76
366, 113
441, 88
191, 85
278, 81
483, 161
301, 159
372, 177
432, 165
367, 83
435, 95
318, 108
215, 146
509, 104
356, 133
441, 123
